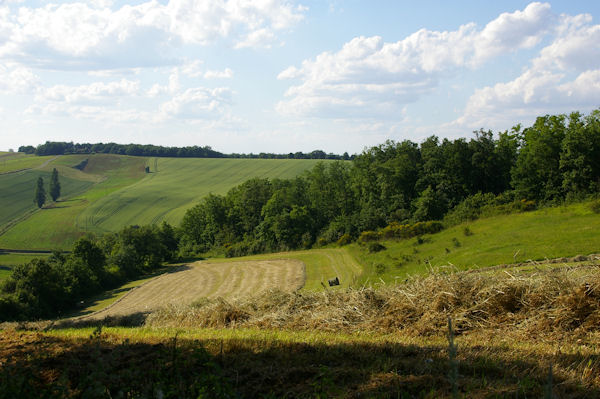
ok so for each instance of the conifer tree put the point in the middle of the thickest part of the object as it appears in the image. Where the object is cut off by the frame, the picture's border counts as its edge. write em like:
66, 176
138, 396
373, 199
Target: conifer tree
54, 185
40, 194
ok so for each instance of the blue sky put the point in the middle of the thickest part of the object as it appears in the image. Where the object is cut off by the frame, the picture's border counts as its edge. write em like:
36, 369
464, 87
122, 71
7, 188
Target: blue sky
287, 76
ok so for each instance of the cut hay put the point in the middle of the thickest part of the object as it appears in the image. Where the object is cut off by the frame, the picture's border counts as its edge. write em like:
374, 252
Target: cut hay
552, 301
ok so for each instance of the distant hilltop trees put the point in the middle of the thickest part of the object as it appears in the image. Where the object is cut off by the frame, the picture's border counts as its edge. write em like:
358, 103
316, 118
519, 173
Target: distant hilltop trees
149, 150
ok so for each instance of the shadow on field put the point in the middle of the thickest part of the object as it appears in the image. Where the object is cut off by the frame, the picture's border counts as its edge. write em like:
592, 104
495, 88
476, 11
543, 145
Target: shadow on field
37, 365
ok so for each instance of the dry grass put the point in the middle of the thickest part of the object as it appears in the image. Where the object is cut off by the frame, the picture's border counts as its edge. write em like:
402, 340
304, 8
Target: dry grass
540, 303
210, 280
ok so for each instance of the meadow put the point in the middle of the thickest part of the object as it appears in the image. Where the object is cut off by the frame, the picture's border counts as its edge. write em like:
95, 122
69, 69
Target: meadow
114, 191
547, 233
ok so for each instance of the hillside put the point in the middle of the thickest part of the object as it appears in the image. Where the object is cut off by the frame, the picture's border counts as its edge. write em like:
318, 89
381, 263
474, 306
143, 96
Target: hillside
547, 233
113, 191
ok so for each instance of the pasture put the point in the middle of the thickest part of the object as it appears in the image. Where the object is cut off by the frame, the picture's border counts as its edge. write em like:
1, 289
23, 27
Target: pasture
175, 185
113, 191
16, 192
548, 233
111, 172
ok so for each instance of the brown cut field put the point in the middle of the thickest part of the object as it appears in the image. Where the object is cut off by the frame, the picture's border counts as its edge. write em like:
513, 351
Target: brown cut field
190, 283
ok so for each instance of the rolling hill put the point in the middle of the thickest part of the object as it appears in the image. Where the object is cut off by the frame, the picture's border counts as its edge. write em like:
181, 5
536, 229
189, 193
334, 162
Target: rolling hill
107, 192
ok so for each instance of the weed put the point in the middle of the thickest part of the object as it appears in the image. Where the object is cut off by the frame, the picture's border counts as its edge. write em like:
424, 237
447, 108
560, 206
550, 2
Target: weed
455, 242
467, 231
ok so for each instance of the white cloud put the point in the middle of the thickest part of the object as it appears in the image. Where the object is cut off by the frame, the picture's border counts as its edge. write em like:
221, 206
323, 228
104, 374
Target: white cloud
94, 93
16, 79
224, 74
563, 77
369, 77
76, 35
197, 103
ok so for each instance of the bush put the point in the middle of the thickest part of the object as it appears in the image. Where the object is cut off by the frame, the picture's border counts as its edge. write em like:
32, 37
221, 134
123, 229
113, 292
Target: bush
404, 231
368, 236
376, 247
595, 206
344, 240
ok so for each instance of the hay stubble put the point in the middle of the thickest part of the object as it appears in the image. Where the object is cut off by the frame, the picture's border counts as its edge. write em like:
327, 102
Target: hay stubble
209, 280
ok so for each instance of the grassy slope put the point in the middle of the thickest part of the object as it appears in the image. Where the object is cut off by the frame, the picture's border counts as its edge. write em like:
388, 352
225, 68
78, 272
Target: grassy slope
177, 185
547, 233
17, 189
57, 227
10, 162
122, 194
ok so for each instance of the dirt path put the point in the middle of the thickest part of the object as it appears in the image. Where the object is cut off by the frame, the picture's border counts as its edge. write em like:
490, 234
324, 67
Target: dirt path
201, 279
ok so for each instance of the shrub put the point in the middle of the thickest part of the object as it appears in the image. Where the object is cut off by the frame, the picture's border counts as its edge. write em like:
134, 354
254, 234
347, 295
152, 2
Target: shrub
595, 206
368, 236
376, 247
380, 268
467, 231
344, 240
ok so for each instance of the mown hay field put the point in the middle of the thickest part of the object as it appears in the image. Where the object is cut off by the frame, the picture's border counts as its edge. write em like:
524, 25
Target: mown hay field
189, 283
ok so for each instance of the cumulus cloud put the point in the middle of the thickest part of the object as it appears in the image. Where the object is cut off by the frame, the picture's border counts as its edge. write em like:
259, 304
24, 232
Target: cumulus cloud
563, 77
82, 35
17, 79
197, 103
368, 76
94, 93
227, 73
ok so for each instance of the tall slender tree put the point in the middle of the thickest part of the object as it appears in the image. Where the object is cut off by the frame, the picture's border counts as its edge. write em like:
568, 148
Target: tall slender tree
54, 185
40, 193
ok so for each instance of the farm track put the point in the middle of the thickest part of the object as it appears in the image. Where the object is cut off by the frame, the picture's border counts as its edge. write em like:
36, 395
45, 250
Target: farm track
201, 279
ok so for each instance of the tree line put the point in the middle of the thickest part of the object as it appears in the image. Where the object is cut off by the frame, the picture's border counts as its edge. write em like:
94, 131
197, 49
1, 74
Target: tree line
149, 150
555, 159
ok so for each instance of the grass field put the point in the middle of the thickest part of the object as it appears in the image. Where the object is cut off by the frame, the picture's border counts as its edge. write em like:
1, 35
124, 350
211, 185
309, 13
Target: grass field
113, 173
11, 162
119, 193
17, 189
547, 233
175, 185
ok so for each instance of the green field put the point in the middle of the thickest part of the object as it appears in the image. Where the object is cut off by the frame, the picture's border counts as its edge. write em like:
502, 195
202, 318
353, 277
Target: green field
9, 260
16, 161
116, 192
16, 192
175, 185
547, 233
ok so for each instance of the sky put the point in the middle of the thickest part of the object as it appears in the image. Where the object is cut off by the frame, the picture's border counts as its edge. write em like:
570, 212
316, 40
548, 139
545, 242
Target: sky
285, 76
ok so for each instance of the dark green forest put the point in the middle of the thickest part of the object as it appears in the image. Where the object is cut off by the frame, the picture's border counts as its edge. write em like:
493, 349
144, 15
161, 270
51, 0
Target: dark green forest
401, 183
149, 150
395, 190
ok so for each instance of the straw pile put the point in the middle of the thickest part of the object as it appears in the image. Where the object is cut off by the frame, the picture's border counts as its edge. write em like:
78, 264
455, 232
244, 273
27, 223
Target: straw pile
541, 302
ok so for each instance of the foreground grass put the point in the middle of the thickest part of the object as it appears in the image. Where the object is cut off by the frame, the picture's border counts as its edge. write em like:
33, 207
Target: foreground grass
254, 363
547, 233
